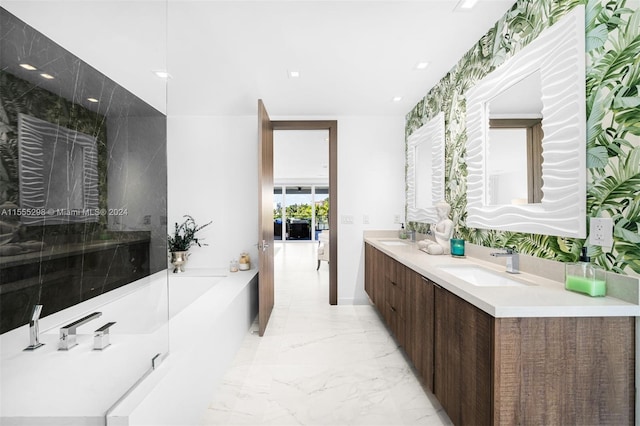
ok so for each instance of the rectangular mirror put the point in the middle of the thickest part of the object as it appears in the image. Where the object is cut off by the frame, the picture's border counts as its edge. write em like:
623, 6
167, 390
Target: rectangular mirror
538, 94
425, 170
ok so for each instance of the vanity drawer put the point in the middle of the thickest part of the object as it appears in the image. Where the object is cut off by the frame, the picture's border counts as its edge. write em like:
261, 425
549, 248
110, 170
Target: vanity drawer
396, 297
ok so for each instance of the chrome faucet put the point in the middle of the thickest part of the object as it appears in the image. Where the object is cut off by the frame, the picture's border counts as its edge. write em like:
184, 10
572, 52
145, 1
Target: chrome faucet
68, 332
34, 331
513, 260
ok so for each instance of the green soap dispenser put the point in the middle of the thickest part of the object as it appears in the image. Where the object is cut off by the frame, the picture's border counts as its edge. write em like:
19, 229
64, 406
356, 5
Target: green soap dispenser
583, 277
403, 232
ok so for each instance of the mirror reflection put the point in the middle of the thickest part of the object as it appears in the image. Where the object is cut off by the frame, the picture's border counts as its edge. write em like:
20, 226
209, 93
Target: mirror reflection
82, 179
514, 144
62, 169
425, 170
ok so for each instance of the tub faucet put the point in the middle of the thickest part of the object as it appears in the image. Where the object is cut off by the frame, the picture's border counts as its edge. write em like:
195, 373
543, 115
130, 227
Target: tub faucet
68, 332
513, 263
34, 332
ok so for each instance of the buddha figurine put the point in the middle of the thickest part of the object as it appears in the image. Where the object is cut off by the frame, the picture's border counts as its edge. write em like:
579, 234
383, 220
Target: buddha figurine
442, 231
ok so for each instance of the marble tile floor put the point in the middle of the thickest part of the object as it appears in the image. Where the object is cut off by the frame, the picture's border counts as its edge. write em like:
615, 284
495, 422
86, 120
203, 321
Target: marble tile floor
319, 364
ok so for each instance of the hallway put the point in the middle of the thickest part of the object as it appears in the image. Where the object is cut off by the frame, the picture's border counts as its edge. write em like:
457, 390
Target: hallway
319, 364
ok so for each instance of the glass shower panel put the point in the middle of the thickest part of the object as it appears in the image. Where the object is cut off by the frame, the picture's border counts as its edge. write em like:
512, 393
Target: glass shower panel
83, 211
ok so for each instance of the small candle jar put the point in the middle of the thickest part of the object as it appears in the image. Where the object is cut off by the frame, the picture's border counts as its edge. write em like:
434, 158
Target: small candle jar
457, 247
245, 262
233, 266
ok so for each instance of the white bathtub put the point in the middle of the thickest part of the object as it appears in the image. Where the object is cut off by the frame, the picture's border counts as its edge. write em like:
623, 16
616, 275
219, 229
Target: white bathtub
79, 386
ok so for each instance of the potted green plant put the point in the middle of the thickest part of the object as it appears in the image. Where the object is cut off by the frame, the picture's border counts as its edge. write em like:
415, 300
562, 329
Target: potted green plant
184, 236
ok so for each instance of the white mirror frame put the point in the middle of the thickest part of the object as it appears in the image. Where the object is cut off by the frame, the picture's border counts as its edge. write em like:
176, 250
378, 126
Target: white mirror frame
559, 53
431, 135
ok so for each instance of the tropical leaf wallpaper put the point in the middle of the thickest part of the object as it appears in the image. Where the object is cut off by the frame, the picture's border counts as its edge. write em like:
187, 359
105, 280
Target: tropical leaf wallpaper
612, 31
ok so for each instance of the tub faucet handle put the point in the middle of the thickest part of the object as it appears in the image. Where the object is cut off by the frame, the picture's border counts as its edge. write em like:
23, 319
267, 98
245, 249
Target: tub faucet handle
34, 329
101, 337
68, 332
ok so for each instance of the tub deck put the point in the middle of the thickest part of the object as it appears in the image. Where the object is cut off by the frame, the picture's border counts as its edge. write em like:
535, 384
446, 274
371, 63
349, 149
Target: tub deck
79, 386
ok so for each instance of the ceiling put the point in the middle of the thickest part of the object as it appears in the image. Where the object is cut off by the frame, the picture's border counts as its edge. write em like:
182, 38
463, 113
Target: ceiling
354, 56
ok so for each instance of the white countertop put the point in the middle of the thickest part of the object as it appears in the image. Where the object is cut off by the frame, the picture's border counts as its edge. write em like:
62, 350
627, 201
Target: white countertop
542, 298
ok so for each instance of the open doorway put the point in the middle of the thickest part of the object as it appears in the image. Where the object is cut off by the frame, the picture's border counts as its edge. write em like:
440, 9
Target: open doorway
301, 205
305, 190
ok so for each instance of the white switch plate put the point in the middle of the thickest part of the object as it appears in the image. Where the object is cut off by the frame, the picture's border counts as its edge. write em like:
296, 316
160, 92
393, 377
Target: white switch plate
347, 219
601, 231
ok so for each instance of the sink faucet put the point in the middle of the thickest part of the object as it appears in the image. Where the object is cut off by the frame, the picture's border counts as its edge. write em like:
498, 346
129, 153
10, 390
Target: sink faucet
68, 332
513, 263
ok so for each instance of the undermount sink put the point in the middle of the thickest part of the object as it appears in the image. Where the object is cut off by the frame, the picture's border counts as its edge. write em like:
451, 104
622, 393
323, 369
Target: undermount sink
481, 277
393, 243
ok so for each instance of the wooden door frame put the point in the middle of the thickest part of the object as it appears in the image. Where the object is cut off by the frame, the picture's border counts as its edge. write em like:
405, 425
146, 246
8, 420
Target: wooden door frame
332, 127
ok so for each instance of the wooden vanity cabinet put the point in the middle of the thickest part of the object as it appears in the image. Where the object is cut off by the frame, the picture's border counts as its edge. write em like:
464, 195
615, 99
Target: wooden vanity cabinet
387, 287
463, 359
405, 300
374, 275
395, 297
420, 326
506, 371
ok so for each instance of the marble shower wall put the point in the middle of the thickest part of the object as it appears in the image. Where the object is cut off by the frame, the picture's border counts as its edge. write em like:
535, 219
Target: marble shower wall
57, 248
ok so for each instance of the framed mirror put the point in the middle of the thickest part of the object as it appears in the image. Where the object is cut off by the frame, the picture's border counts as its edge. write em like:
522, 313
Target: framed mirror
526, 137
425, 170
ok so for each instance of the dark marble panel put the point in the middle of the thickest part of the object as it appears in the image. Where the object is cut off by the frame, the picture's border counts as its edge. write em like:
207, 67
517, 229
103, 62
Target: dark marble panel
108, 225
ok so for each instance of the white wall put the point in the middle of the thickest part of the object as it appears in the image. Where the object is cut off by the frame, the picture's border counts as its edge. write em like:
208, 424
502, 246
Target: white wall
213, 164
213, 176
370, 182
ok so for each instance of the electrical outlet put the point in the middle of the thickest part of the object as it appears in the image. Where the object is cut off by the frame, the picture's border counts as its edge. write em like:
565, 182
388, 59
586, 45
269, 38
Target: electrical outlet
396, 219
365, 219
601, 231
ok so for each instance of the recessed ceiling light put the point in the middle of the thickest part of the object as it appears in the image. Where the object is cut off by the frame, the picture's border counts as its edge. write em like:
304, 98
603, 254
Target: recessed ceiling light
47, 76
94, 100
397, 98
294, 74
422, 65
466, 4
162, 74
28, 67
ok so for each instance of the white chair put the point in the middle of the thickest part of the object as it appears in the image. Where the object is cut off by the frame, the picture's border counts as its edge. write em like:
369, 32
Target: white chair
323, 247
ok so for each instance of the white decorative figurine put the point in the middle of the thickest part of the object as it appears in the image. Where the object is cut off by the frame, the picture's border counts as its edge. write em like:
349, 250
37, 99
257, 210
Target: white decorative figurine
442, 232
